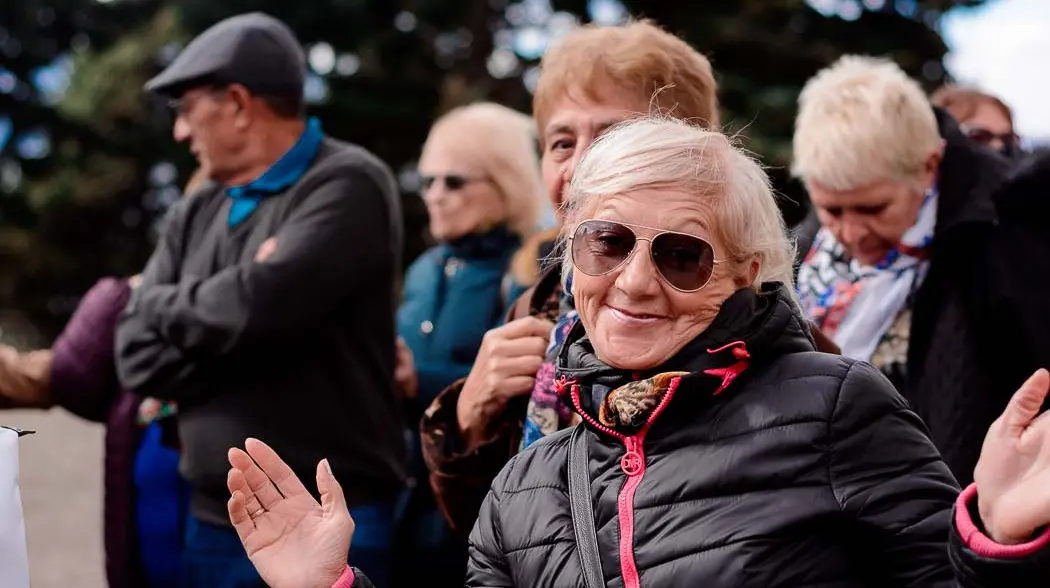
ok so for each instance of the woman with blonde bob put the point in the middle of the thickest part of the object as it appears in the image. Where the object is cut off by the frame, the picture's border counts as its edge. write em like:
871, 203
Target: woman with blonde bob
717, 447
927, 260
481, 185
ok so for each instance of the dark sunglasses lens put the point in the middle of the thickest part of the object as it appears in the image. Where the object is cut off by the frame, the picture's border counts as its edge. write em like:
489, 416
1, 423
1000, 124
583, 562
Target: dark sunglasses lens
454, 183
425, 182
598, 247
685, 262
982, 136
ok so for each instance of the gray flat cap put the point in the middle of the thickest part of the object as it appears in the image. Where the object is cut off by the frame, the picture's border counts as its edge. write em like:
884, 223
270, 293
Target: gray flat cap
254, 49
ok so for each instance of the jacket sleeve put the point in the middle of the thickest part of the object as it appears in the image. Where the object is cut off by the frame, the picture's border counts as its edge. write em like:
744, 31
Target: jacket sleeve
460, 476
83, 371
979, 562
145, 365
340, 239
889, 479
353, 578
487, 564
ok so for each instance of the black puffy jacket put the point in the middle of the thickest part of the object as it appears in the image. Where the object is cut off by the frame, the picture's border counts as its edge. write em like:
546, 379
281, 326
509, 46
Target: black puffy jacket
780, 466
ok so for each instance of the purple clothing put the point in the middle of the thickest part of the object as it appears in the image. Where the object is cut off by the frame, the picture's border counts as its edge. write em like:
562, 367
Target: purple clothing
84, 382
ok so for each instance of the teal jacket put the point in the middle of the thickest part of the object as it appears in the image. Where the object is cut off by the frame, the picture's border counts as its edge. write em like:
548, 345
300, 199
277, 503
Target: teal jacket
453, 294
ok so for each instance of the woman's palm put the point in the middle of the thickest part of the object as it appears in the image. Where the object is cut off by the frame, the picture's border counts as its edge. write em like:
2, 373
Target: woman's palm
293, 541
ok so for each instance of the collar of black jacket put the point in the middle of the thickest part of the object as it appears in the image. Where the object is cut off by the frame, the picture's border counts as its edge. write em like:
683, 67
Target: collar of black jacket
763, 324
968, 179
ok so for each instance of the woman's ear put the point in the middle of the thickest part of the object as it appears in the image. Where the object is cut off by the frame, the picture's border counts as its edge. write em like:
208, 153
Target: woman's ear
755, 266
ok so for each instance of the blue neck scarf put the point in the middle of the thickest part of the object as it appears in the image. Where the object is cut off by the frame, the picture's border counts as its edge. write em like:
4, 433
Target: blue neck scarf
283, 173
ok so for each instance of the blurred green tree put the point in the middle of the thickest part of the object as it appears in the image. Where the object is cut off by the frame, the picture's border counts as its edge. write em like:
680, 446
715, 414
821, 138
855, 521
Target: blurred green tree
82, 203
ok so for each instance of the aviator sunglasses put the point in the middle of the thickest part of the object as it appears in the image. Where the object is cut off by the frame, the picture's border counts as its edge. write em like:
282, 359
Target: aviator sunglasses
685, 262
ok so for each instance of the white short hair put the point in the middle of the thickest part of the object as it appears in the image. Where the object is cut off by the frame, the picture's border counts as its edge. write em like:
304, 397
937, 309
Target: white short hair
503, 141
860, 121
658, 152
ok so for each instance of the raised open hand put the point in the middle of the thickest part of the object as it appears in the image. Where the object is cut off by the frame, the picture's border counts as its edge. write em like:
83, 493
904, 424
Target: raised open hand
1013, 474
293, 541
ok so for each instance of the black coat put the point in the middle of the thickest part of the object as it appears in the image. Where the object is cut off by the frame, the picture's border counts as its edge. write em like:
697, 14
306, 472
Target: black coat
808, 470
981, 320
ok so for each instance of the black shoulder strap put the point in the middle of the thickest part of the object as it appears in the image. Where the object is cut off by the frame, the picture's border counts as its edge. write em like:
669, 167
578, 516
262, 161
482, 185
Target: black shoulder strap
583, 509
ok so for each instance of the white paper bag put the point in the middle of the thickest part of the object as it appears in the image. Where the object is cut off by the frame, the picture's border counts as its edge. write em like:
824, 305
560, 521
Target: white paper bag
14, 560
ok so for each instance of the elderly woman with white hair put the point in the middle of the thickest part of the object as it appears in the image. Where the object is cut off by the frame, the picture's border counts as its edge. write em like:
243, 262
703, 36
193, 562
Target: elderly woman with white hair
481, 184
717, 448
930, 261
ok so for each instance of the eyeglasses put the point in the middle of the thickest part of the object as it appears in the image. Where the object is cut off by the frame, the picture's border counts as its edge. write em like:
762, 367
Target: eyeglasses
986, 137
685, 262
183, 104
453, 182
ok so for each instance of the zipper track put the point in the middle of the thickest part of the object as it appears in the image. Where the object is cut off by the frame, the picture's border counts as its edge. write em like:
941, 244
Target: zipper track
633, 465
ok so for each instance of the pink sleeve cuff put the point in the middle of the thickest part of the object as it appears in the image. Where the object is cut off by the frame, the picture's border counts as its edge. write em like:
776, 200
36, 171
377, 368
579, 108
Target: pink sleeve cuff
983, 545
346, 580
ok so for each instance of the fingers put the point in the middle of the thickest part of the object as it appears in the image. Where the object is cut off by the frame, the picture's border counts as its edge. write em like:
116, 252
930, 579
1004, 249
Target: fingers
257, 485
529, 326
1026, 403
333, 502
511, 367
517, 386
524, 346
236, 483
267, 249
274, 468
242, 521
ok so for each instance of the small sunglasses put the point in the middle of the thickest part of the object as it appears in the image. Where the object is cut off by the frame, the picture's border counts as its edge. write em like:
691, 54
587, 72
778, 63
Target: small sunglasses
453, 182
986, 137
685, 262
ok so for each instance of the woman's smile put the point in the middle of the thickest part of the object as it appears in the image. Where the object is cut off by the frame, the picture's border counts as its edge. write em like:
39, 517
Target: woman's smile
636, 319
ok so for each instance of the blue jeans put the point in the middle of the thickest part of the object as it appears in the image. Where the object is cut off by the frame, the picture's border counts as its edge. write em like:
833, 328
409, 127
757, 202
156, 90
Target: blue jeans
214, 557
161, 502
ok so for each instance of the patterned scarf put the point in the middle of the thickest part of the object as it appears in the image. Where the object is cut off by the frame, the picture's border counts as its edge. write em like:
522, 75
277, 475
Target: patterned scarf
854, 304
629, 406
547, 413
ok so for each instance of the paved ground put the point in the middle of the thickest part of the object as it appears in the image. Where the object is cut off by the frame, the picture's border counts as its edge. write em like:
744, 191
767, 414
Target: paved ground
62, 498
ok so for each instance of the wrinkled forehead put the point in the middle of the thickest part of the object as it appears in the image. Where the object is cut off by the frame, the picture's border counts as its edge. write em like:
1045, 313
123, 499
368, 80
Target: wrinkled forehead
877, 193
663, 208
589, 111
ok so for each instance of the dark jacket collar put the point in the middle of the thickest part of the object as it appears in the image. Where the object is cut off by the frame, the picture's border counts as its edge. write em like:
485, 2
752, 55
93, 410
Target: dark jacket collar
968, 179
766, 322
496, 243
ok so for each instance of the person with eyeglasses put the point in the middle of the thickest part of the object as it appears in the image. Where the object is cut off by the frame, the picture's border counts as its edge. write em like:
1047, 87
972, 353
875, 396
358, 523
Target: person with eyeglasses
983, 118
480, 180
929, 261
717, 447
268, 306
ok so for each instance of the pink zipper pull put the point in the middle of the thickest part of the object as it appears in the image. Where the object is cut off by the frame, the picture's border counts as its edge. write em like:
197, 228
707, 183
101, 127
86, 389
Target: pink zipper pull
632, 463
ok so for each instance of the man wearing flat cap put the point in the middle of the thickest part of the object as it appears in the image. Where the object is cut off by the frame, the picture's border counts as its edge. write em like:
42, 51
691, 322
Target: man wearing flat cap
267, 309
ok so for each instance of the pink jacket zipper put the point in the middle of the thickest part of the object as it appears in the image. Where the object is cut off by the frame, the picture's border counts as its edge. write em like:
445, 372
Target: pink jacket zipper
633, 465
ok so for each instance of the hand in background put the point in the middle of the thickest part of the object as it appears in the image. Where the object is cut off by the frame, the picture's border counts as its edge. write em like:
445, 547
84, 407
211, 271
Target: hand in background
25, 378
405, 377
